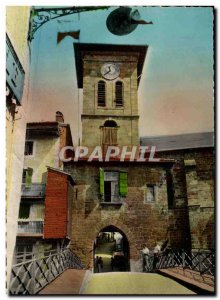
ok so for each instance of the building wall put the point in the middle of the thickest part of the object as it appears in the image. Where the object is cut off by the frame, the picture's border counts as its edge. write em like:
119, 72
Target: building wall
46, 151
93, 116
127, 133
198, 171
17, 21
142, 223
56, 206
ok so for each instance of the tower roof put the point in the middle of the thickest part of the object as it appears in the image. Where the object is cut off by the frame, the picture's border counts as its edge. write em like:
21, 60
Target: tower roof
80, 50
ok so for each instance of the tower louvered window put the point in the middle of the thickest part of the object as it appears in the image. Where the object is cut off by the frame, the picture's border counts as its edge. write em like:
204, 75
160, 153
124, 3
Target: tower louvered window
101, 93
119, 94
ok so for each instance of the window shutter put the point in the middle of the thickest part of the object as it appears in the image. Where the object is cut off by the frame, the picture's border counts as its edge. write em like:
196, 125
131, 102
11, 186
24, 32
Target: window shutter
101, 93
123, 184
29, 173
119, 93
101, 179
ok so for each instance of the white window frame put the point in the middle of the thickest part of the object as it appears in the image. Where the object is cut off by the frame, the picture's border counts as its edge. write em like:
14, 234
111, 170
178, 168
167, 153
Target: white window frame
114, 184
146, 194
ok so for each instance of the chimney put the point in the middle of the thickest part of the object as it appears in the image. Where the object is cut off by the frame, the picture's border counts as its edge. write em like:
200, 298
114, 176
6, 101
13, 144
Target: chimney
59, 117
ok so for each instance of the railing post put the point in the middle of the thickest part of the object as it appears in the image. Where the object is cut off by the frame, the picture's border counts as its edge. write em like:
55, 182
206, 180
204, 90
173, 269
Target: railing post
58, 262
200, 262
183, 259
33, 278
49, 264
172, 260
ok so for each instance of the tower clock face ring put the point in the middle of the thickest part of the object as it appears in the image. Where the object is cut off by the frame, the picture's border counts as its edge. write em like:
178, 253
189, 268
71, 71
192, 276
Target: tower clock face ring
110, 71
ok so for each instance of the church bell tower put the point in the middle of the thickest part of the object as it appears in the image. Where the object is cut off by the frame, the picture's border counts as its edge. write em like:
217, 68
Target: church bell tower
109, 76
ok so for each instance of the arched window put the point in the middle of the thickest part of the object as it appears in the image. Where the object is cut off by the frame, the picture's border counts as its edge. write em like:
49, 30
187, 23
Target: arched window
101, 93
118, 93
110, 123
109, 133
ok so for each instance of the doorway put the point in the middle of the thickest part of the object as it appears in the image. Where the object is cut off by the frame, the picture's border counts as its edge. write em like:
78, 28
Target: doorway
111, 251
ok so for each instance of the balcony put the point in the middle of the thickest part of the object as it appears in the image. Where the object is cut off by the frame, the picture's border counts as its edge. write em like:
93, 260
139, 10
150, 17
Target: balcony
112, 200
36, 190
30, 228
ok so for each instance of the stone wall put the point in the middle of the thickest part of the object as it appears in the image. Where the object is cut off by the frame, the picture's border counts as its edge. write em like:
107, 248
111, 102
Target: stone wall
93, 116
127, 133
198, 171
142, 222
187, 222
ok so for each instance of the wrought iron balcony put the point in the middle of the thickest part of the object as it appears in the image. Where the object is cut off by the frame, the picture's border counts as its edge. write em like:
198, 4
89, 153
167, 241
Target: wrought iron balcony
35, 190
30, 227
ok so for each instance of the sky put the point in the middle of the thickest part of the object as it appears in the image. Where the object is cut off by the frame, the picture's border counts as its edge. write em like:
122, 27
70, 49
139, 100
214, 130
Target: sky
176, 89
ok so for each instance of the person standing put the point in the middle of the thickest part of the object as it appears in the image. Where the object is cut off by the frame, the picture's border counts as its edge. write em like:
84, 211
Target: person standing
145, 258
101, 263
156, 255
96, 264
112, 263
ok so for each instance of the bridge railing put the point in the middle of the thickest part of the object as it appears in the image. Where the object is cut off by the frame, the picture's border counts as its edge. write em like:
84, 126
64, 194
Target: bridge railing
29, 277
200, 261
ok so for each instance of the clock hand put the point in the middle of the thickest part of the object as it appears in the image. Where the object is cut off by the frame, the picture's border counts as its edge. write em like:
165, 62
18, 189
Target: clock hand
107, 71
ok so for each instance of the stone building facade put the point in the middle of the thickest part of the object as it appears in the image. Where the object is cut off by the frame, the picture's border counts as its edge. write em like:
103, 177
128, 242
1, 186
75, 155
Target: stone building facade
142, 219
195, 162
91, 62
197, 167
164, 200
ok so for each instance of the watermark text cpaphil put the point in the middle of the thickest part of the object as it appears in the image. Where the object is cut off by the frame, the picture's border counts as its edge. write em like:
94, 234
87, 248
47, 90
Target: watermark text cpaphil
123, 153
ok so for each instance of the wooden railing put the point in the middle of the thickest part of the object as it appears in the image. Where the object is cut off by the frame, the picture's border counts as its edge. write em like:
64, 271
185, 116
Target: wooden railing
28, 278
200, 261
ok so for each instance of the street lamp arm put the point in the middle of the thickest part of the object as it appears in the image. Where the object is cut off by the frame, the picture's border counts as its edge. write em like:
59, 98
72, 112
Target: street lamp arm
40, 16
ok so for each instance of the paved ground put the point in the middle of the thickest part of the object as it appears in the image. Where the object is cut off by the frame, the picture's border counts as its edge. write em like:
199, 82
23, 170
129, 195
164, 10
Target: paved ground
201, 283
68, 283
106, 251
133, 283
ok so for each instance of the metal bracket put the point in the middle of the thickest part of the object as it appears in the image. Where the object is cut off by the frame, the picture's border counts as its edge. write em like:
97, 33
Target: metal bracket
40, 16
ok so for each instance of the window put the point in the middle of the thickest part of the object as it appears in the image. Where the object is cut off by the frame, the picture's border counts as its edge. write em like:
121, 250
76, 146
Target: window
109, 134
24, 211
24, 252
27, 177
24, 175
113, 185
29, 148
119, 94
150, 193
101, 93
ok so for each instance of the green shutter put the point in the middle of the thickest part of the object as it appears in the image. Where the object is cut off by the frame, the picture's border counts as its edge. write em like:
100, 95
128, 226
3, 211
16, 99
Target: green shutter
101, 178
123, 184
29, 173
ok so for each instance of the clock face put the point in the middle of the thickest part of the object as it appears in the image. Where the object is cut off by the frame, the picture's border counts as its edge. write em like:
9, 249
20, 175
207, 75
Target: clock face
110, 71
